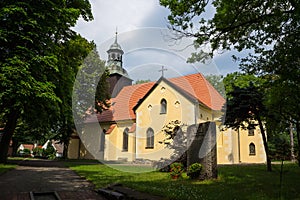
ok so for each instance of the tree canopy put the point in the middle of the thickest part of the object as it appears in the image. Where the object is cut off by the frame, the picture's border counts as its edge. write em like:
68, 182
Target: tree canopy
33, 37
243, 24
246, 109
217, 82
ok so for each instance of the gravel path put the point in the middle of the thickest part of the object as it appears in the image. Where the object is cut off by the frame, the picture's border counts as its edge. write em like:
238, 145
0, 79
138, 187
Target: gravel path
45, 176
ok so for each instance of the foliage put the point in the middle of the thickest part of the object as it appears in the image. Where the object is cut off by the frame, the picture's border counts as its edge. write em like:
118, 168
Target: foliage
194, 170
227, 186
279, 146
175, 139
90, 88
50, 152
239, 24
283, 97
176, 170
245, 109
244, 106
170, 130
34, 37
38, 152
142, 81
241, 80
24, 152
72, 55
217, 82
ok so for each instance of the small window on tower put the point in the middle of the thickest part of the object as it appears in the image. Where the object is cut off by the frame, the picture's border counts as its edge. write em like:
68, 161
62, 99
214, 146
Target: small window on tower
251, 130
252, 150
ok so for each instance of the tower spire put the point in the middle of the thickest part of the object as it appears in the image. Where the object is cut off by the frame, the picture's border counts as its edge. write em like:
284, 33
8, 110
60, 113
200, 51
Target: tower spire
116, 37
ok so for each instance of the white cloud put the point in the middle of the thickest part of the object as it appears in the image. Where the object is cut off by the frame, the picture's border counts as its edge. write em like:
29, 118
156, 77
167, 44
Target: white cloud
142, 26
126, 15
147, 49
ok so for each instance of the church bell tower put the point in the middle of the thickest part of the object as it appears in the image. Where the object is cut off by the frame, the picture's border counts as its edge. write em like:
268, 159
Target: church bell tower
118, 76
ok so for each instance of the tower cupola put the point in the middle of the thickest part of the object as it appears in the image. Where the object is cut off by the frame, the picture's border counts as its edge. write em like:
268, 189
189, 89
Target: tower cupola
118, 76
115, 58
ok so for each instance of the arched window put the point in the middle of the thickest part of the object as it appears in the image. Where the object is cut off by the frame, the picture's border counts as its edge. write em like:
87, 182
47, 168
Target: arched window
125, 139
252, 149
150, 139
251, 129
163, 106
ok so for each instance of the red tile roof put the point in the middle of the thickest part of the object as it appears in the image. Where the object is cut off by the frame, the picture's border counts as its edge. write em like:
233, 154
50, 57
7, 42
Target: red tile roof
193, 85
132, 128
110, 129
28, 146
201, 89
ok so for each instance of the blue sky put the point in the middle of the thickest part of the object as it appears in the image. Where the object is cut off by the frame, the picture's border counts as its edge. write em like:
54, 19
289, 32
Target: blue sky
145, 39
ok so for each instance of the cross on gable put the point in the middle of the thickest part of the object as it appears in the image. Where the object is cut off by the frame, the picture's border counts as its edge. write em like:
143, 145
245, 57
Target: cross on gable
162, 70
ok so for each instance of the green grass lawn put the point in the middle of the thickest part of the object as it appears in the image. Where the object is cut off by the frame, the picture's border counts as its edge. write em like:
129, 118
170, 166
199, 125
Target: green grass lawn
234, 182
5, 168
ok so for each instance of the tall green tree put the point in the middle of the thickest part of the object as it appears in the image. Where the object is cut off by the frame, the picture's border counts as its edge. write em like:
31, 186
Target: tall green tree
73, 54
283, 98
217, 82
242, 80
31, 32
91, 89
142, 81
245, 109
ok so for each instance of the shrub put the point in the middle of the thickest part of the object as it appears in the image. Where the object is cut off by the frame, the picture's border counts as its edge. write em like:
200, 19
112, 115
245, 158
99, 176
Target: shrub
194, 170
50, 152
38, 152
176, 169
25, 152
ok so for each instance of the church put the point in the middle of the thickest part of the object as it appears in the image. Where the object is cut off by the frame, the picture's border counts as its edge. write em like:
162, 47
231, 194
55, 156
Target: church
131, 129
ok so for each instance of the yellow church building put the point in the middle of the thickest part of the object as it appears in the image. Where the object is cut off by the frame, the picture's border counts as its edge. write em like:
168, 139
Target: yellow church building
131, 129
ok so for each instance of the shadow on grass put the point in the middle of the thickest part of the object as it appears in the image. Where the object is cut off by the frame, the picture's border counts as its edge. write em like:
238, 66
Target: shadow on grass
234, 182
4, 168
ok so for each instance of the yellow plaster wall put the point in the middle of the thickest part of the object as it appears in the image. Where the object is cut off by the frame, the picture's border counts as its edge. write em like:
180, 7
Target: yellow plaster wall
227, 149
114, 143
233, 147
90, 142
148, 115
110, 145
260, 156
204, 115
73, 148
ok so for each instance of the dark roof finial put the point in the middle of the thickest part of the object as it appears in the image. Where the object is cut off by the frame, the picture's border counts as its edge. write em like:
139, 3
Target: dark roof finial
162, 70
116, 38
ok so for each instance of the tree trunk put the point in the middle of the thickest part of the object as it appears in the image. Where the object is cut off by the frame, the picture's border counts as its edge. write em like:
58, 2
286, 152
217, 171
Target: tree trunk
15, 146
292, 142
298, 138
66, 147
262, 130
7, 134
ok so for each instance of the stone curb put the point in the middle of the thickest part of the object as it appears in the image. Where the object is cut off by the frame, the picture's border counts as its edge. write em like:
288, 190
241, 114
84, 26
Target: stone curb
120, 192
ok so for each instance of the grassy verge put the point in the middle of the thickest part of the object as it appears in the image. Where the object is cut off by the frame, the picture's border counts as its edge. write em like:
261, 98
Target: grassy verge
234, 182
5, 168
